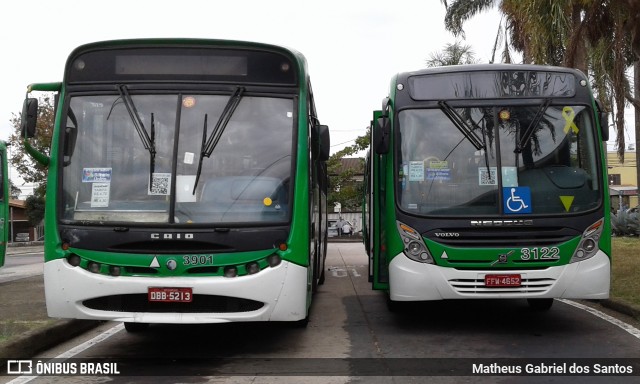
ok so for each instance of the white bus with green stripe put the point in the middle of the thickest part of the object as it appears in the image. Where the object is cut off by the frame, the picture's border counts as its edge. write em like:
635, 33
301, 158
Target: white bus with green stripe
489, 181
187, 184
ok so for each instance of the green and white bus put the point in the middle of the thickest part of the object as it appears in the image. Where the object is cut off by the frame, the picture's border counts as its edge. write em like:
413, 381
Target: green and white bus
4, 202
489, 181
187, 184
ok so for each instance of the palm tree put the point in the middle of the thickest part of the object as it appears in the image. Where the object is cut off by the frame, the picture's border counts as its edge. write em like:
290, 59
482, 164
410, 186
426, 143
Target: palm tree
452, 54
584, 34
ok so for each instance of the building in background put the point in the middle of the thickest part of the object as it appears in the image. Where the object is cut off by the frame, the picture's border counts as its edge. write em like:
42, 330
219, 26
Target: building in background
623, 187
20, 230
352, 214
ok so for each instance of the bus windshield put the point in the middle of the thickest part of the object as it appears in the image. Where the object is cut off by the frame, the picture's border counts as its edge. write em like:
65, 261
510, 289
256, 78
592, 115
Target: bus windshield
534, 159
119, 168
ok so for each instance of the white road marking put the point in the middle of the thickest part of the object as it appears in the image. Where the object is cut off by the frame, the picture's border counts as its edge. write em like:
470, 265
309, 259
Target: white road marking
75, 351
627, 327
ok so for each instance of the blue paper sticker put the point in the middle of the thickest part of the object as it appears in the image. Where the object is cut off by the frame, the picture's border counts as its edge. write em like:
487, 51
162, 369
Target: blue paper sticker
96, 175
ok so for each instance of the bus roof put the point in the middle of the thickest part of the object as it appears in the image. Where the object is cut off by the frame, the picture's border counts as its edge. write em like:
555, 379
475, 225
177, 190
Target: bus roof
144, 57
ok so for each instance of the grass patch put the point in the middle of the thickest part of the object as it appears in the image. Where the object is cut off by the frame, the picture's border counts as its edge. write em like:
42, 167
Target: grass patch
625, 276
9, 328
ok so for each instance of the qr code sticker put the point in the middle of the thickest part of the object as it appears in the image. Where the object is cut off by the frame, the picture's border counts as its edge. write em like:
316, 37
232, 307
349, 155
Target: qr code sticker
160, 184
488, 176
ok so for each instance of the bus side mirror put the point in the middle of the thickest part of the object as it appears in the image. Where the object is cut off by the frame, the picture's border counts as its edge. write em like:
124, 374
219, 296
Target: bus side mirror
381, 135
29, 117
325, 142
603, 116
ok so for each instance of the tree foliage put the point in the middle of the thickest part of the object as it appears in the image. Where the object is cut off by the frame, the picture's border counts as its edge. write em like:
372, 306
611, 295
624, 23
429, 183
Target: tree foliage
34, 207
595, 36
14, 191
30, 170
452, 54
342, 188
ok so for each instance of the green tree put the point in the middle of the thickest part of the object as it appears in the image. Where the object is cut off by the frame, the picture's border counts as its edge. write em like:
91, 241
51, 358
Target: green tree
30, 170
452, 54
342, 188
591, 35
14, 191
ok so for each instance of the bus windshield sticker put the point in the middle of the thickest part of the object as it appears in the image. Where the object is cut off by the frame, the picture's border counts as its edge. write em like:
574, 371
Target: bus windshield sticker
566, 202
188, 157
509, 176
438, 170
416, 171
100, 195
568, 114
516, 200
160, 183
184, 185
487, 176
96, 175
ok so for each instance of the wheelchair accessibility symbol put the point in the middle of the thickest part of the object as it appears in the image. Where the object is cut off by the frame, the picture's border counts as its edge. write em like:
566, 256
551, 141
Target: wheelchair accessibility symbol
516, 200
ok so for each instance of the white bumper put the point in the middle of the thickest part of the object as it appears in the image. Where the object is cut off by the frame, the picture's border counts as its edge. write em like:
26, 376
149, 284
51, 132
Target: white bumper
413, 281
282, 289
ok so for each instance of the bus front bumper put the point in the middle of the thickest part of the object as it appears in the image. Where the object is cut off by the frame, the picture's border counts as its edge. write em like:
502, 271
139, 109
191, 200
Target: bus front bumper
413, 281
281, 290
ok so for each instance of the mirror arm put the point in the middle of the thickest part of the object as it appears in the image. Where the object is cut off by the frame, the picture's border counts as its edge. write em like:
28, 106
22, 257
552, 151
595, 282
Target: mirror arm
37, 155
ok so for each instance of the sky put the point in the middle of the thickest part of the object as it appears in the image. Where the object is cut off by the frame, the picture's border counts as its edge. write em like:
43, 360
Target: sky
353, 48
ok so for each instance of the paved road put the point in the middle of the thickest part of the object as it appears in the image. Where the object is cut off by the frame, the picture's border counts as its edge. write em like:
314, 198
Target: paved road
352, 337
20, 266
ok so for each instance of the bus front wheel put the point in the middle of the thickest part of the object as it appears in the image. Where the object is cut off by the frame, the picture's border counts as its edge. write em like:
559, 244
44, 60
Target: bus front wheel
136, 327
540, 304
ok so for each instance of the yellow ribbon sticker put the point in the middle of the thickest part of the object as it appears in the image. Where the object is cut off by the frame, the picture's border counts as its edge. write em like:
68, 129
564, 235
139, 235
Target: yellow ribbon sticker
568, 114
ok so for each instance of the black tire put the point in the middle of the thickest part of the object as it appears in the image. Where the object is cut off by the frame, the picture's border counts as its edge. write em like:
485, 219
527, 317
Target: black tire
323, 260
396, 306
136, 327
540, 305
321, 280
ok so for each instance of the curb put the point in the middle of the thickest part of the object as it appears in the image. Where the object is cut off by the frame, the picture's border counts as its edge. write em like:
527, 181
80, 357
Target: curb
622, 307
29, 343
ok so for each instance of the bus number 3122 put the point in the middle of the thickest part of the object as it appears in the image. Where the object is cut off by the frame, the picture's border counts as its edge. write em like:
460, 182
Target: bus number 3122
542, 253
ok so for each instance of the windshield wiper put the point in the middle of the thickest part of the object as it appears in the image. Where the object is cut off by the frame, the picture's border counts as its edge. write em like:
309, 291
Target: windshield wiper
147, 141
462, 125
534, 123
209, 144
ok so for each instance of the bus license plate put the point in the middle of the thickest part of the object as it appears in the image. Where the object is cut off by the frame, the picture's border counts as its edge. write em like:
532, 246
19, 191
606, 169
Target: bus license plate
170, 295
502, 280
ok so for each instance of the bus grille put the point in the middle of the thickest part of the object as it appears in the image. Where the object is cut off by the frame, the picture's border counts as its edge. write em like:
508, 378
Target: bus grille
200, 304
477, 287
503, 237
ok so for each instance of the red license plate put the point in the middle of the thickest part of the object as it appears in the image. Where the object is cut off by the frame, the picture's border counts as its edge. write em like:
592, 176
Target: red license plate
502, 280
170, 295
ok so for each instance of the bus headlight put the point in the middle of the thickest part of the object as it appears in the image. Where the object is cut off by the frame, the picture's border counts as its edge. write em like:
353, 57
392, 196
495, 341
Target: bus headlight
252, 268
74, 259
93, 267
230, 271
588, 245
414, 247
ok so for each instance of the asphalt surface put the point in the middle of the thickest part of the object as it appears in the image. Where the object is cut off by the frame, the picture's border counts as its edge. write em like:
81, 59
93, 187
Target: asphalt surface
23, 314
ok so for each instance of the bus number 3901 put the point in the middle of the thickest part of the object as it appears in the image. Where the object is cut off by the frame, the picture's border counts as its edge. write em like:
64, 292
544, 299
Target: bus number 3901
197, 260
542, 253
